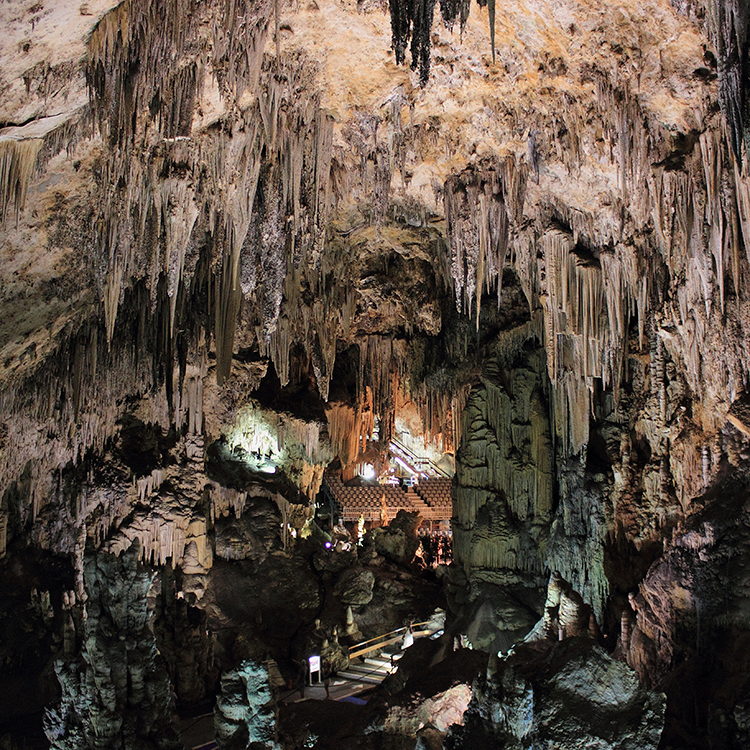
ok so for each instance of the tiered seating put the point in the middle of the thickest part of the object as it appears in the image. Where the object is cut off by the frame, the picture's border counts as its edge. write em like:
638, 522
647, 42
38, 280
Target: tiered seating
437, 494
432, 499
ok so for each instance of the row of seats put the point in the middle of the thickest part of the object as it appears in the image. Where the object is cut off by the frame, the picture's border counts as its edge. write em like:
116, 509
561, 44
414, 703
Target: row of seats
368, 500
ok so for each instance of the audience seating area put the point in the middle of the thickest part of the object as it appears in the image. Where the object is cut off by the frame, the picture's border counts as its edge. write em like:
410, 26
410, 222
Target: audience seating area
431, 498
436, 493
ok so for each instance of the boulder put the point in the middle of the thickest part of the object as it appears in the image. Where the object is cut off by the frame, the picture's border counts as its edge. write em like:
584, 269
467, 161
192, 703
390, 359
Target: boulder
354, 586
398, 541
566, 695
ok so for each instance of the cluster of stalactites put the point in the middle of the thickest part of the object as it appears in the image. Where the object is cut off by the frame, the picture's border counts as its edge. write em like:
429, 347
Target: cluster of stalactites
413, 19
289, 222
441, 410
164, 537
481, 205
25, 151
266, 254
264, 193
454, 10
135, 60
350, 428
383, 388
17, 161
729, 24
592, 281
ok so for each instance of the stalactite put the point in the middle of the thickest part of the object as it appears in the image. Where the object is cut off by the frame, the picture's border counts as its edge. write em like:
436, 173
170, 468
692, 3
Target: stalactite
344, 430
3, 532
711, 156
382, 368
716, 452
729, 22
581, 345
664, 478
178, 212
162, 539
189, 398
149, 484
413, 19
17, 162
224, 499
705, 465
454, 10
477, 207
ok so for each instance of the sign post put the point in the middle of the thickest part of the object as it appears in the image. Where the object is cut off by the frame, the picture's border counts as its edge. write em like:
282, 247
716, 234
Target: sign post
314, 669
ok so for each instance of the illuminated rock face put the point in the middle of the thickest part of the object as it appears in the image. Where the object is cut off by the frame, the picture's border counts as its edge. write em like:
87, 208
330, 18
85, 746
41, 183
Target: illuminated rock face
237, 236
576, 696
119, 695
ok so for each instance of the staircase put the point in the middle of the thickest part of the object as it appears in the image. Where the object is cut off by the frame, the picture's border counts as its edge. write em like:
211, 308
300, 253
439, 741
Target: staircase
417, 464
417, 502
372, 670
370, 662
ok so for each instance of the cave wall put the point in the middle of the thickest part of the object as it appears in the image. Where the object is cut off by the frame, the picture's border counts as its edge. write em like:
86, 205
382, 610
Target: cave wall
223, 218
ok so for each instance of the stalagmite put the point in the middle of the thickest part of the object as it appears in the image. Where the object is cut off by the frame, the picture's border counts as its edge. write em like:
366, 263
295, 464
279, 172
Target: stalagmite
237, 215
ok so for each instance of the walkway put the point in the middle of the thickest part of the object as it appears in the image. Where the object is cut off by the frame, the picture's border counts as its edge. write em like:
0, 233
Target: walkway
370, 663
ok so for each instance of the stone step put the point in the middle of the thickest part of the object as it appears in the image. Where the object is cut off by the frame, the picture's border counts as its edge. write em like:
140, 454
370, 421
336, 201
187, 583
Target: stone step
392, 651
380, 663
367, 669
374, 679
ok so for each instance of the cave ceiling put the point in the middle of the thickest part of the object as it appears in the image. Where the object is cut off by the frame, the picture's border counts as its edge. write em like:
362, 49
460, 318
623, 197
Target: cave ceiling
268, 180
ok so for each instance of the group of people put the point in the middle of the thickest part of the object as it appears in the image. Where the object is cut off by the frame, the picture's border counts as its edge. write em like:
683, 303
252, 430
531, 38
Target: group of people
437, 547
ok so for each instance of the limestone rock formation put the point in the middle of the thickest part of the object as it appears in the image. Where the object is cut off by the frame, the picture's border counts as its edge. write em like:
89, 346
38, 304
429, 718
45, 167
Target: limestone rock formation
398, 540
117, 694
240, 240
354, 586
244, 714
571, 696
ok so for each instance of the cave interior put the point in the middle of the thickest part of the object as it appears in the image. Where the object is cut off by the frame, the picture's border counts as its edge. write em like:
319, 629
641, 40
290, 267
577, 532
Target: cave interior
374, 375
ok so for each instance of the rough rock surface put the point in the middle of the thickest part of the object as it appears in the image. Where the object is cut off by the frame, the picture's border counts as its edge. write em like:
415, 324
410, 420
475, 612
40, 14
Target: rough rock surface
398, 540
571, 695
235, 236
354, 586
117, 694
244, 714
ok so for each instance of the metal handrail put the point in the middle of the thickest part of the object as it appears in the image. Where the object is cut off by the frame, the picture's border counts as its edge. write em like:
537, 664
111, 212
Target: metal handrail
388, 639
417, 460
